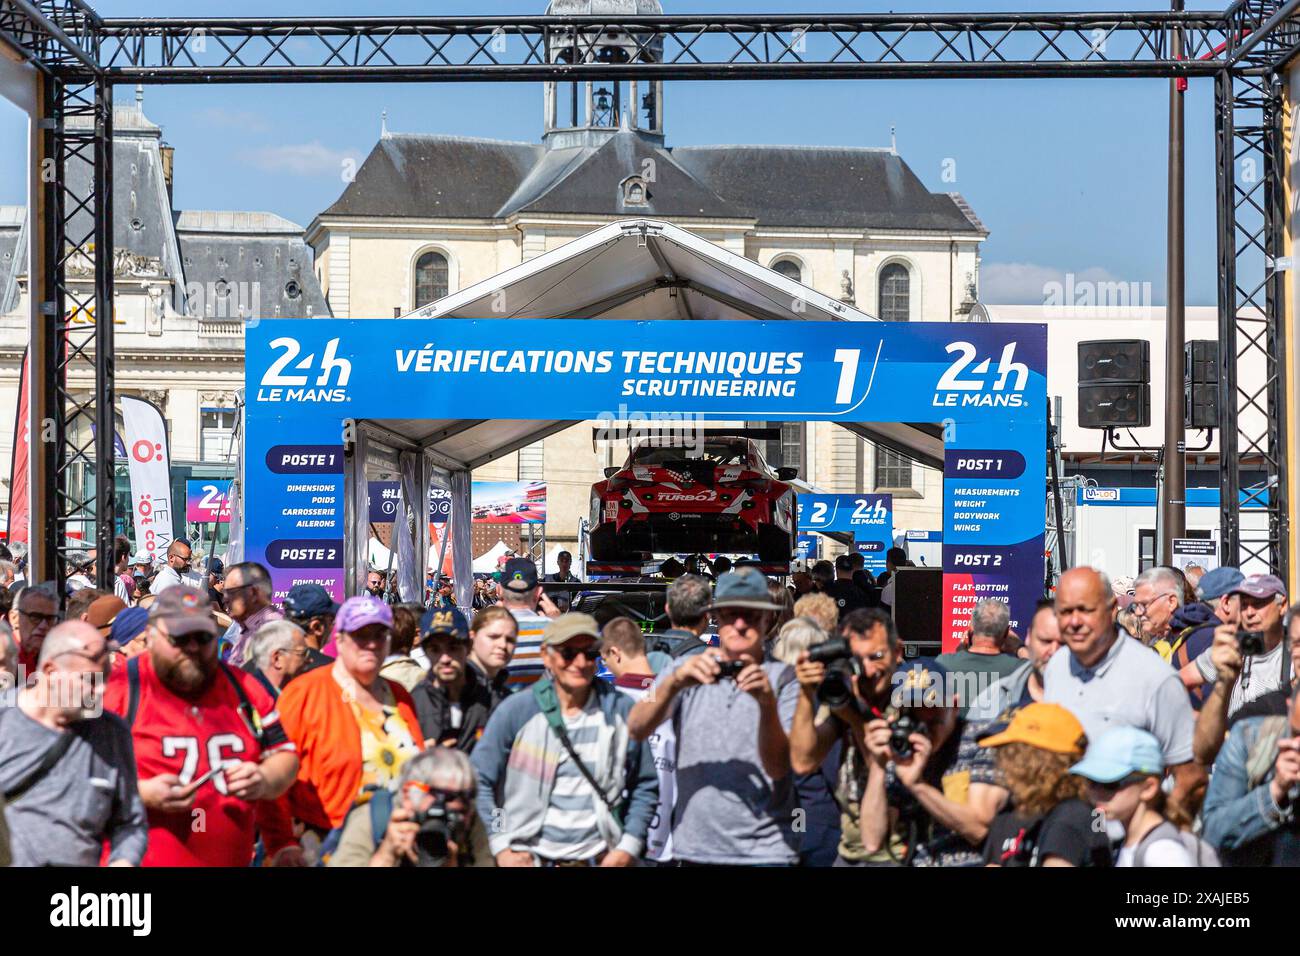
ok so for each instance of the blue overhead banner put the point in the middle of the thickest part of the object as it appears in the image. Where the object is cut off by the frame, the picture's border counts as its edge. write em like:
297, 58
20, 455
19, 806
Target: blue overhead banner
870, 518
984, 383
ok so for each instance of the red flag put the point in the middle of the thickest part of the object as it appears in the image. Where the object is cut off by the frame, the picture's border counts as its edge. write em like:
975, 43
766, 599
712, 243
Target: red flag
18, 516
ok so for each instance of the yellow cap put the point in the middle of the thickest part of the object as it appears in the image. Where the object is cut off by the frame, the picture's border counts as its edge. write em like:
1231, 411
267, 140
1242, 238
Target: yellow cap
1045, 726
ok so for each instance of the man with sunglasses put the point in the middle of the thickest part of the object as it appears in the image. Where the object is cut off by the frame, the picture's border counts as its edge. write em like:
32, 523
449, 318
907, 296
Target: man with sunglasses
33, 613
248, 600
66, 768
735, 790
561, 781
177, 567
208, 741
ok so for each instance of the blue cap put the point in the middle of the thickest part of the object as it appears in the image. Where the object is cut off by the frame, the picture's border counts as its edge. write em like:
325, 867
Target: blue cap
128, 625
743, 588
1218, 582
444, 620
308, 600
922, 682
1121, 752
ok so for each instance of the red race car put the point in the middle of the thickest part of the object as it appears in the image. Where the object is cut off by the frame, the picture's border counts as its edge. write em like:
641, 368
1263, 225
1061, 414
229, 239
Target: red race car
720, 496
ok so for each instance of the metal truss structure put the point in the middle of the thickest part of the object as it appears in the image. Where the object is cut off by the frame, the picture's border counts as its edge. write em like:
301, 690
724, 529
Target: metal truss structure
1244, 49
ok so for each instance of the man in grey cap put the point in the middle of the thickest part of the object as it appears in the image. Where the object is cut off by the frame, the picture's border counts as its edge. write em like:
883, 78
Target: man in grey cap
1246, 660
732, 713
560, 780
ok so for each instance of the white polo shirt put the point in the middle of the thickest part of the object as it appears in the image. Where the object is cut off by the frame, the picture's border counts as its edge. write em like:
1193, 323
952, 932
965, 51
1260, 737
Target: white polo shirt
1132, 686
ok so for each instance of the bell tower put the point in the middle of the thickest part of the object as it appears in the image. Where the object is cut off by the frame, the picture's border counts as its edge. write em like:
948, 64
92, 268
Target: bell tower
587, 112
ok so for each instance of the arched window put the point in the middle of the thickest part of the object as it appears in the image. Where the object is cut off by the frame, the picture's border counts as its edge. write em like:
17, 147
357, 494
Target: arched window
430, 278
895, 294
789, 268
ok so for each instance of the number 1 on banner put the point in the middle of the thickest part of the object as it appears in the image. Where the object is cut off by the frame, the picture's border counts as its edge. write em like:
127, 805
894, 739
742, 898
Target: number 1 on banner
848, 360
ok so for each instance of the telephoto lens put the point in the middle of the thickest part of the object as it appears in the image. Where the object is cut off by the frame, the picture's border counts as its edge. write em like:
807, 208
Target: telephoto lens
836, 688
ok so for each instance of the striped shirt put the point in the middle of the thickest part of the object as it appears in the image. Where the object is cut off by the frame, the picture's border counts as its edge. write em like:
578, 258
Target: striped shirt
569, 830
526, 666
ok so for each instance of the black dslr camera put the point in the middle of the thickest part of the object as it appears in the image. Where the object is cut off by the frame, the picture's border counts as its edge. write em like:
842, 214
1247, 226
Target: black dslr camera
836, 688
900, 732
1250, 643
730, 669
439, 829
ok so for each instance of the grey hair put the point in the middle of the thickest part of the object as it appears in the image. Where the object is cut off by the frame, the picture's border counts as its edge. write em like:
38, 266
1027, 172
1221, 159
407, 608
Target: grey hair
1161, 578
991, 618
440, 767
796, 636
272, 637
688, 599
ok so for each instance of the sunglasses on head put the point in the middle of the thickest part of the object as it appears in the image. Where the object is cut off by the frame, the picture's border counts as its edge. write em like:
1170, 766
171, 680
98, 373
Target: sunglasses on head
570, 654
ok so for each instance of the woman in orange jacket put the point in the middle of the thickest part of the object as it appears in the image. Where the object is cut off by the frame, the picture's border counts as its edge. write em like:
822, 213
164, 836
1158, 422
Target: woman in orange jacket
354, 729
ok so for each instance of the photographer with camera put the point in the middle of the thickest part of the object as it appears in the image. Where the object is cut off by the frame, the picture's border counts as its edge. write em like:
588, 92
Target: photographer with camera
731, 710
1246, 661
930, 794
429, 822
841, 682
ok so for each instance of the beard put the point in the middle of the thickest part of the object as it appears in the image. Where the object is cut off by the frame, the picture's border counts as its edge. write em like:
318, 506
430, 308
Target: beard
185, 675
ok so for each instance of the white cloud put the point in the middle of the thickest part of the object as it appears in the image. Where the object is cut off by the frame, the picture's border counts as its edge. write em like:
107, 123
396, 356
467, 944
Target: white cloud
303, 159
1026, 283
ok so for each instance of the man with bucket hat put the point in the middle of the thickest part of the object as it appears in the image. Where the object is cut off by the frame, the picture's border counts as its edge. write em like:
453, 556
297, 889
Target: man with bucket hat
732, 713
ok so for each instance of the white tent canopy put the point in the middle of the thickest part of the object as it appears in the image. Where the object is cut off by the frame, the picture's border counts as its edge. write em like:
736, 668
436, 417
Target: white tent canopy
487, 563
637, 270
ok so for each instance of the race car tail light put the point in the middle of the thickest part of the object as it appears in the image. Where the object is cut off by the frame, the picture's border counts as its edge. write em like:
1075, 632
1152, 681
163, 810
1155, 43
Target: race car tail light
627, 502
747, 505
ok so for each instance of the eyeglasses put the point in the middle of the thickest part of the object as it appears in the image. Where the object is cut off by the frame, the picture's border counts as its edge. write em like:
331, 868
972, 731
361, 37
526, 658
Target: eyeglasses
40, 618
1140, 608
100, 660
570, 654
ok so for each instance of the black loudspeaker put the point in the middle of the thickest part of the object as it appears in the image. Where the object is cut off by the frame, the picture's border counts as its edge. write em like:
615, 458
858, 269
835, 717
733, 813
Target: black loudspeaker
918, 610
1201, 362
1201, 384
1126, 405
1115, 360
1201, 406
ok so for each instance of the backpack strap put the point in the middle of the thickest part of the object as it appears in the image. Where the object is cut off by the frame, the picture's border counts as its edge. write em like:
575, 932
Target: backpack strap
133, 689
246, 708
381, 809
544, 693
48, 760
1162, 831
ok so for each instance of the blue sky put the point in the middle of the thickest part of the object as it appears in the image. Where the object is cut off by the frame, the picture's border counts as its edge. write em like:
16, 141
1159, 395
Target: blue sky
1068, 175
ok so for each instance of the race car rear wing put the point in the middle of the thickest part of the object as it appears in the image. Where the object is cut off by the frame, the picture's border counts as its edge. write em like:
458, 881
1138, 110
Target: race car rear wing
618, 431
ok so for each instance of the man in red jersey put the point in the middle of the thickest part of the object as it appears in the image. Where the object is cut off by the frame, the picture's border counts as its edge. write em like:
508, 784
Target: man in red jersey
191, 714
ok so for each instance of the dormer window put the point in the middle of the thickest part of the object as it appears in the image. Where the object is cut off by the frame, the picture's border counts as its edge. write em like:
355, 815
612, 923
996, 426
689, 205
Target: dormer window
635, 192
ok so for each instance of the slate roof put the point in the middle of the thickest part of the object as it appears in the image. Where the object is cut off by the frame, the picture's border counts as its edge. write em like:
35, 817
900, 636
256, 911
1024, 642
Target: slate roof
260, 250
453, 177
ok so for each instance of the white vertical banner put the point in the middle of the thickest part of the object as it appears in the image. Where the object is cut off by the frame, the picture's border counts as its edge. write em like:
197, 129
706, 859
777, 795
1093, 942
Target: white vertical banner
145, 435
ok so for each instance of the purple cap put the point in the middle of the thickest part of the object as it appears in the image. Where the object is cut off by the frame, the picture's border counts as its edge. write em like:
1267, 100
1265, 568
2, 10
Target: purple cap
1261, 586
359, 611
